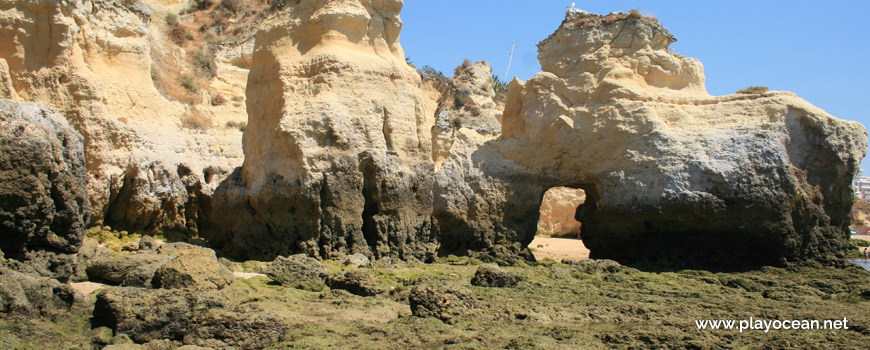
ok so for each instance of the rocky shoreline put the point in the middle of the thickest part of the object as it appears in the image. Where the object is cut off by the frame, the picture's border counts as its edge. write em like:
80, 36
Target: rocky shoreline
273, 175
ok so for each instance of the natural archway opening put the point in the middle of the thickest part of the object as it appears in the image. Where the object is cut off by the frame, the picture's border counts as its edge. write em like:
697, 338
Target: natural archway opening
558, 231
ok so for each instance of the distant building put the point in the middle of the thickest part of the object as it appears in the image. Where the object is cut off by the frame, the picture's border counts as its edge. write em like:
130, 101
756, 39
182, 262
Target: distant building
862, 186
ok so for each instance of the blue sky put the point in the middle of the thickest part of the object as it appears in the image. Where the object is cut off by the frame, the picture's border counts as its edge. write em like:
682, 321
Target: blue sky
819, 50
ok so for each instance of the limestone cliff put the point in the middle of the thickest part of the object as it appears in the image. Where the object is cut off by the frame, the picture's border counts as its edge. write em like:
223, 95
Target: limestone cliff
95, 62
338, 146
671, 173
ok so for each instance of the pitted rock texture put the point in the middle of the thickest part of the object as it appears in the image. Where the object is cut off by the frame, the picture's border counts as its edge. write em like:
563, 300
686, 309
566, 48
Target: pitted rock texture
338, 145
298, 271
29, 295
92, 61
200, 317
672, 174
43, 185
444, 302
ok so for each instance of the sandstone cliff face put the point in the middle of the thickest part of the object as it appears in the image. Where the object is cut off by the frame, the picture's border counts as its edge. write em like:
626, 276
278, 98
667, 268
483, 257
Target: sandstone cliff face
671, 173
337, 149
92, 60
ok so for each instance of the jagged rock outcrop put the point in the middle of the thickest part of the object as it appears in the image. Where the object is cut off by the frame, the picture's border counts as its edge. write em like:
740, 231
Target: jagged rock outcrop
43, 196
475, 187
672, 174
558, 208
94, 62
337, 148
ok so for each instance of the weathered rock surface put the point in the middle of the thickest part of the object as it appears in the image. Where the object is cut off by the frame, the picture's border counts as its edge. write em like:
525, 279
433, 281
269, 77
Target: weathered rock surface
474, 186
193, 271
128, 270
357, 260
298, 271
337, 148
171, 265
672, 174
558, 209
494, 276
93, 61
357, 281
29, 295
43, 182
196, 317
445, 302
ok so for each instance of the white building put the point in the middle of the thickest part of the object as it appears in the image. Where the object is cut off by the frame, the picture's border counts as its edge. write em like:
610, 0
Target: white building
862, 186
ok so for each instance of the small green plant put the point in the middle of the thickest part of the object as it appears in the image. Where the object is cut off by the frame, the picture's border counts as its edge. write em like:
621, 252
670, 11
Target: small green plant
634, 13
218, 100
465, 64
172, 19
431, 74
232, 5
196, 120
201, 4
205, 61
753, 90
237, 125
498, 85
188, 83
457, 123
410, 63
860, 242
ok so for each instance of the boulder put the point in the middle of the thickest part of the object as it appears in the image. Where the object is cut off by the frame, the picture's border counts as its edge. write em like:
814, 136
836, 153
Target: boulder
445, 302
128, 270
357, 260
196, 317
298, 271
193, 271
45, 202
494, 276
357, 281
28, 295
148, 243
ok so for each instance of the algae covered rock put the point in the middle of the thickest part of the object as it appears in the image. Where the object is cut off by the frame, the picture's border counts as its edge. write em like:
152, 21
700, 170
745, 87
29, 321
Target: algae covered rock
357, 260
28, 295
193, 271
494, 276
298, 271
357, 281
129, 270
200, 317
444, 302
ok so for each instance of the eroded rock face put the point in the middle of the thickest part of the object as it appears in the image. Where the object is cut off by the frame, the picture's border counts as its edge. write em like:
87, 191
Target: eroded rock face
337, 148
91, 60
44, 204
672, 174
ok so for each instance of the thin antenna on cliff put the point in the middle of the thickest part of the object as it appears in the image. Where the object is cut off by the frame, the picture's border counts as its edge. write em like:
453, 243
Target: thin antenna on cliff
514, 46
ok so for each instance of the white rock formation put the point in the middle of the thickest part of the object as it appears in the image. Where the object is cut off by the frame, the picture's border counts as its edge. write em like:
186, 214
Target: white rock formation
671, 173
338, 145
